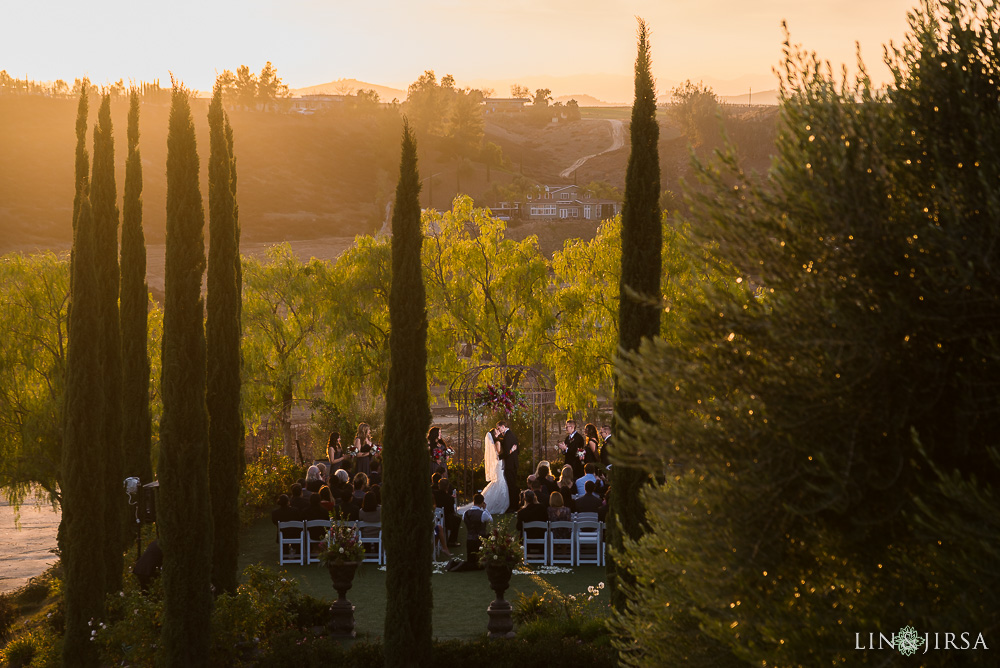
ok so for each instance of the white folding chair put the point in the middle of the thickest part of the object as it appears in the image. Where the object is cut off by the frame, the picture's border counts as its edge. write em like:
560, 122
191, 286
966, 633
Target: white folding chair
586, 517
291, 550
534, 556
372, 556
561, 549
588, 542
312, 546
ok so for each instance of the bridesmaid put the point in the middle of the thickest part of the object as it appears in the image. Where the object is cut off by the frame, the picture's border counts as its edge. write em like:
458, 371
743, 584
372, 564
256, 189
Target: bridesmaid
363, 446
335, 453
593, 439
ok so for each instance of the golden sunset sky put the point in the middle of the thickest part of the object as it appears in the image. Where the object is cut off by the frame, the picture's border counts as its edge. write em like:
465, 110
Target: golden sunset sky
391, 42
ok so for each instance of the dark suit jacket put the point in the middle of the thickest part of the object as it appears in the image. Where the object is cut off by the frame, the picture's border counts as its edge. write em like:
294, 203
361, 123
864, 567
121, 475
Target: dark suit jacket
604, 450
508, 441
533, 512
589, 503
574, 444
286, 514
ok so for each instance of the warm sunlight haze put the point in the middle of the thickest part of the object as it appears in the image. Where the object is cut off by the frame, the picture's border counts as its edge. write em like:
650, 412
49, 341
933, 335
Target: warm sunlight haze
730, 44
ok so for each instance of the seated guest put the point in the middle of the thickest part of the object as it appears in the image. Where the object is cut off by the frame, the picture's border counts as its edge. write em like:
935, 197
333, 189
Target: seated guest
558, 512
589, 502
285, 513
377, 491
316, 512
314, 479
370, 512
435, 479
566, 493
566, 478
375, 474
358, 495
589, 472
541, 493
444, 500
298, 502
477, 526
531, 511
326, 499
542, 472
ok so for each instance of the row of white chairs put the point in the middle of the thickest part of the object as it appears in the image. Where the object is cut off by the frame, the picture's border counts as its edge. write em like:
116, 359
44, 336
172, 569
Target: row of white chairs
583, 546
299, 548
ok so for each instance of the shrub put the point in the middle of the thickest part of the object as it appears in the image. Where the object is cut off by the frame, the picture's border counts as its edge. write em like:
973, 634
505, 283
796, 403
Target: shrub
8, 613
38, 647
270, 475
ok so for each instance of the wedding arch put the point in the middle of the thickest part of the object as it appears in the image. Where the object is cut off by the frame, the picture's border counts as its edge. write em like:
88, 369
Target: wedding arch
468, 395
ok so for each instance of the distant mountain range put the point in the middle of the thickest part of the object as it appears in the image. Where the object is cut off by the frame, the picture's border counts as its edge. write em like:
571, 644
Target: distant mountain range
604, 90
350, 87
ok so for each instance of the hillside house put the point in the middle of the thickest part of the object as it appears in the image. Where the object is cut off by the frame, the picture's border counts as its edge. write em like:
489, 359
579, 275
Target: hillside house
563, 202
499, 105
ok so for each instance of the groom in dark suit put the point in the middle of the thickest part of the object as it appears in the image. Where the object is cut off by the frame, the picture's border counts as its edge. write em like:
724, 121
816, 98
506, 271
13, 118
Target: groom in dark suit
508, 453
571, 446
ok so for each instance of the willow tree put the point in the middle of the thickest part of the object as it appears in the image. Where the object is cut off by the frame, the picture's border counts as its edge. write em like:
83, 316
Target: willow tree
134, 305
184, 513
407, 503
103, 198
639, 286
83, 527
223, 345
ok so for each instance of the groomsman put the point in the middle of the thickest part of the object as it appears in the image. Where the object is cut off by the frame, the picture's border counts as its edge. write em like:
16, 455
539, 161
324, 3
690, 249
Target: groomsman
571, 446
606, 443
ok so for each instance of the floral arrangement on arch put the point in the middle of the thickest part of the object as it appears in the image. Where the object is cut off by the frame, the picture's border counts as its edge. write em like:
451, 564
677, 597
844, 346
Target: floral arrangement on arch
500, 548
500, 399
341, 544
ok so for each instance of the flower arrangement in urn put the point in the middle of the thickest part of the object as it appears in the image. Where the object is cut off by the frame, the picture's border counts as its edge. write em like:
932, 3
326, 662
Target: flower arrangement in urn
500, 548
341, 545
508, 401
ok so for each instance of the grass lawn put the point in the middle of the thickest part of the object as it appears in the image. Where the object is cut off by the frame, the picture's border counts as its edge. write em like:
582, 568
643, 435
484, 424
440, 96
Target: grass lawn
460, 599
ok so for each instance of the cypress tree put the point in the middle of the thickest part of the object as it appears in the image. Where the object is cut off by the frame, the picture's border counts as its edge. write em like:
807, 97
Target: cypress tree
184, 514
136, 422
639, 289
222, 334
103, 199
82, 527
82, 165
406, 499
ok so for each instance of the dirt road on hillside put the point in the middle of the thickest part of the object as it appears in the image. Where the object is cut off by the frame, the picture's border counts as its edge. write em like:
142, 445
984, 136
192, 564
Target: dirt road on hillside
617, 141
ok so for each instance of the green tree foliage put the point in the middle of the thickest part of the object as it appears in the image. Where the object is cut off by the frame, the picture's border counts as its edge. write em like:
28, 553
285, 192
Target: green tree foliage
519, 92
103, 198
695, 109
270, 87
184, 515
483, 289
33, 323
639, 292
357, 331
407, 499
542, 99
134, 300
222, 337
282, 313
827, 431
83, 457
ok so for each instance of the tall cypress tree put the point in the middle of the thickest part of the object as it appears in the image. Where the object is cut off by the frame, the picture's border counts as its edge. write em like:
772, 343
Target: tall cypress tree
406, 500
184, 514
639, 287
82, 527
82, 166
223, 343
136, 422
103, 199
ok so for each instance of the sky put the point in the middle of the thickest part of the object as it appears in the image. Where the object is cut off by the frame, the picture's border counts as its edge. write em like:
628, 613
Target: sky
391, 42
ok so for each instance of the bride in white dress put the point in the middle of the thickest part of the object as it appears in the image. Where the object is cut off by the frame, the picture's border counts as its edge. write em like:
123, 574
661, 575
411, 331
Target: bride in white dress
496, 495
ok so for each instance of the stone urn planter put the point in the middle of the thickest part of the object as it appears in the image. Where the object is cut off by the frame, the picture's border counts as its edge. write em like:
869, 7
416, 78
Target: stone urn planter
342, 611
501, 624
